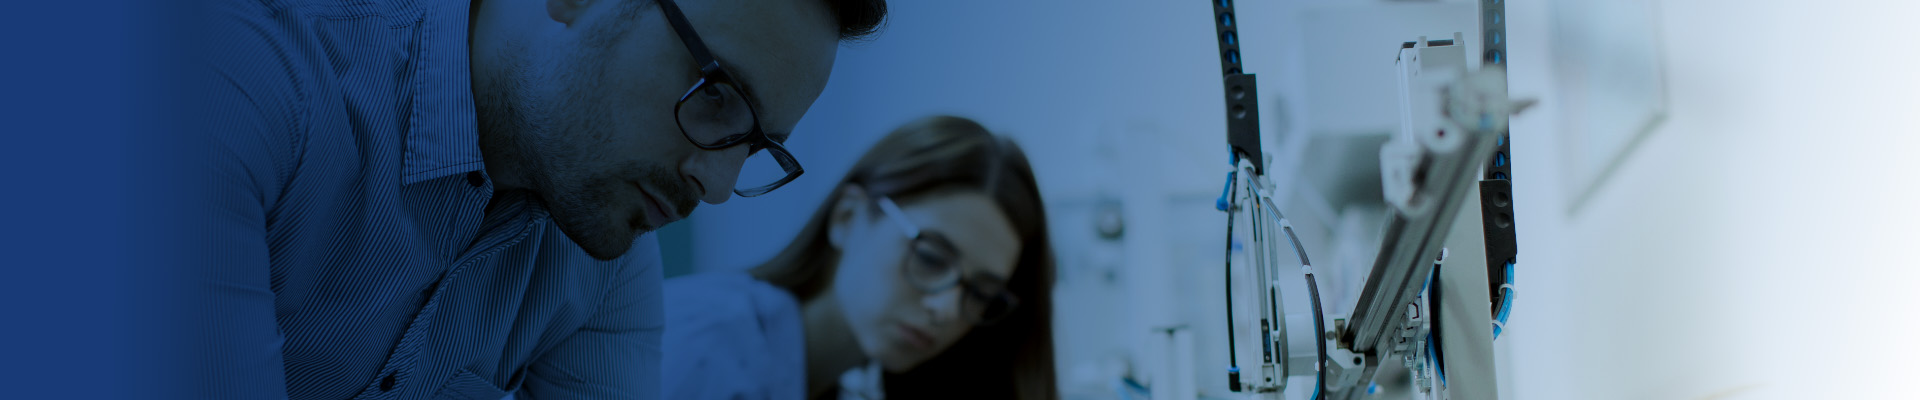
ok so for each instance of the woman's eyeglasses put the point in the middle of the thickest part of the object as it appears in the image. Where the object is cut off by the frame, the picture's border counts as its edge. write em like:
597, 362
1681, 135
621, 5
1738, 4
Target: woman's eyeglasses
932, 265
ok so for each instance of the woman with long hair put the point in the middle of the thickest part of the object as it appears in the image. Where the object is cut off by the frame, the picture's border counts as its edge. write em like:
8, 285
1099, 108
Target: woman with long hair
927, 267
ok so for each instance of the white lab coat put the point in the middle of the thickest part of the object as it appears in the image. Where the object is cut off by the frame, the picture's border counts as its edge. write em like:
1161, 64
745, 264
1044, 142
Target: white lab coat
730, 336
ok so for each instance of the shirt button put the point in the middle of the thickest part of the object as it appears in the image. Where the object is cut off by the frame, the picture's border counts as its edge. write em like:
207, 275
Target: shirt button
476, 179
386, 384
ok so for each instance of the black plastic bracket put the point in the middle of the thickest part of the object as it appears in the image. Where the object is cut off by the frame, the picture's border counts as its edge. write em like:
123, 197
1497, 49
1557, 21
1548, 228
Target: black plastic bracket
1496, 220
1242, 99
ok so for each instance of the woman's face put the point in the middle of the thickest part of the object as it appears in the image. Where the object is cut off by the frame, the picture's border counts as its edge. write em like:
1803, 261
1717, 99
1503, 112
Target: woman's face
895, 321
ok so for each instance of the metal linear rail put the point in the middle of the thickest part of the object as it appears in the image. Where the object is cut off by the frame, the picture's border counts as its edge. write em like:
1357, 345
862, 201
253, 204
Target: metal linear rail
1428, 181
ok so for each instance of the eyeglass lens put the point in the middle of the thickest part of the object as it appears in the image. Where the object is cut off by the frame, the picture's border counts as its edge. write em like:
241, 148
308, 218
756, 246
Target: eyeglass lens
716, 114
933, 268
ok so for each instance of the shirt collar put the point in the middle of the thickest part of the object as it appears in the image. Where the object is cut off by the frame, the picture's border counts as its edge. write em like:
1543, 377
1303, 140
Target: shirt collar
442, 135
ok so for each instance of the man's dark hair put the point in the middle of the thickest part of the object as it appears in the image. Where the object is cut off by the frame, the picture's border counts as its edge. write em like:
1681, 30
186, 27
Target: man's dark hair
858, 18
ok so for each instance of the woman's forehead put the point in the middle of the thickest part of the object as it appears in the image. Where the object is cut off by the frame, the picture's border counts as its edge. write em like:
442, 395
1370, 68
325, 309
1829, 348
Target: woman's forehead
973, 222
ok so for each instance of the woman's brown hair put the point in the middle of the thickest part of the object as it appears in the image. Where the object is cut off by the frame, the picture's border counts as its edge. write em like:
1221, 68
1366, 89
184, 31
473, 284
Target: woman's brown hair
1010, 359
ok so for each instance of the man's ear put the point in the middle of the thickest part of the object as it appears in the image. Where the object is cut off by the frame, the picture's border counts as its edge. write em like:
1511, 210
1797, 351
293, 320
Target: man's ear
569, 11
852, 203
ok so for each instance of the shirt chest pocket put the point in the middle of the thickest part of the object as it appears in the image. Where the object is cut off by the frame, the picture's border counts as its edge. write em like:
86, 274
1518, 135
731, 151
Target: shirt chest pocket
469, 386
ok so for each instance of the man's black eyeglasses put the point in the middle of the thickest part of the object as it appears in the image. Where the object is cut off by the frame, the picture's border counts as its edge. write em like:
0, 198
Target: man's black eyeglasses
718, 113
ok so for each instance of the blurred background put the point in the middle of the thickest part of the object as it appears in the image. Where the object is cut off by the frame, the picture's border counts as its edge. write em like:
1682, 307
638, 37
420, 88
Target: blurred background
1714, 197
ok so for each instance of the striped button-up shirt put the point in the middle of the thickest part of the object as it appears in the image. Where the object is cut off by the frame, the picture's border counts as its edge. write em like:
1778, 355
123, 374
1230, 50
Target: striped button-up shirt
361, 249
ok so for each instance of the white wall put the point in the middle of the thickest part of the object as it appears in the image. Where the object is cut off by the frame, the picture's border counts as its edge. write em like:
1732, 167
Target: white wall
1753, 247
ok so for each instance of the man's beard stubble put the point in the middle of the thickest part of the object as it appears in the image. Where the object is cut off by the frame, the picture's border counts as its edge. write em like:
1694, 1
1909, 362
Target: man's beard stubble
555, 129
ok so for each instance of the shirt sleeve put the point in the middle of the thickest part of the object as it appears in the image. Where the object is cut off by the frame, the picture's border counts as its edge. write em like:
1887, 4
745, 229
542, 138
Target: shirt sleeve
249, 101
616, 354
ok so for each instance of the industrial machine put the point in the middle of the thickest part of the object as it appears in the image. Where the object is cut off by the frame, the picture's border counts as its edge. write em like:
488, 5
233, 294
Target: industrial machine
1418, 311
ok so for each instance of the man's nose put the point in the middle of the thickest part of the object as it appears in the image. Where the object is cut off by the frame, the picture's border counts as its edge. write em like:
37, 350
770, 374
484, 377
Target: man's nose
715, 172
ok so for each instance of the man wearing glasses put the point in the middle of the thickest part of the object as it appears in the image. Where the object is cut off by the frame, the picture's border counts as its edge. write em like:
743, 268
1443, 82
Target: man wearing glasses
445, 199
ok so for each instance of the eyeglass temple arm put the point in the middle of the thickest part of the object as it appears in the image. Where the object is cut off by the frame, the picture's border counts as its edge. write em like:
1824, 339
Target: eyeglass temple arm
680, 26
898, 217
